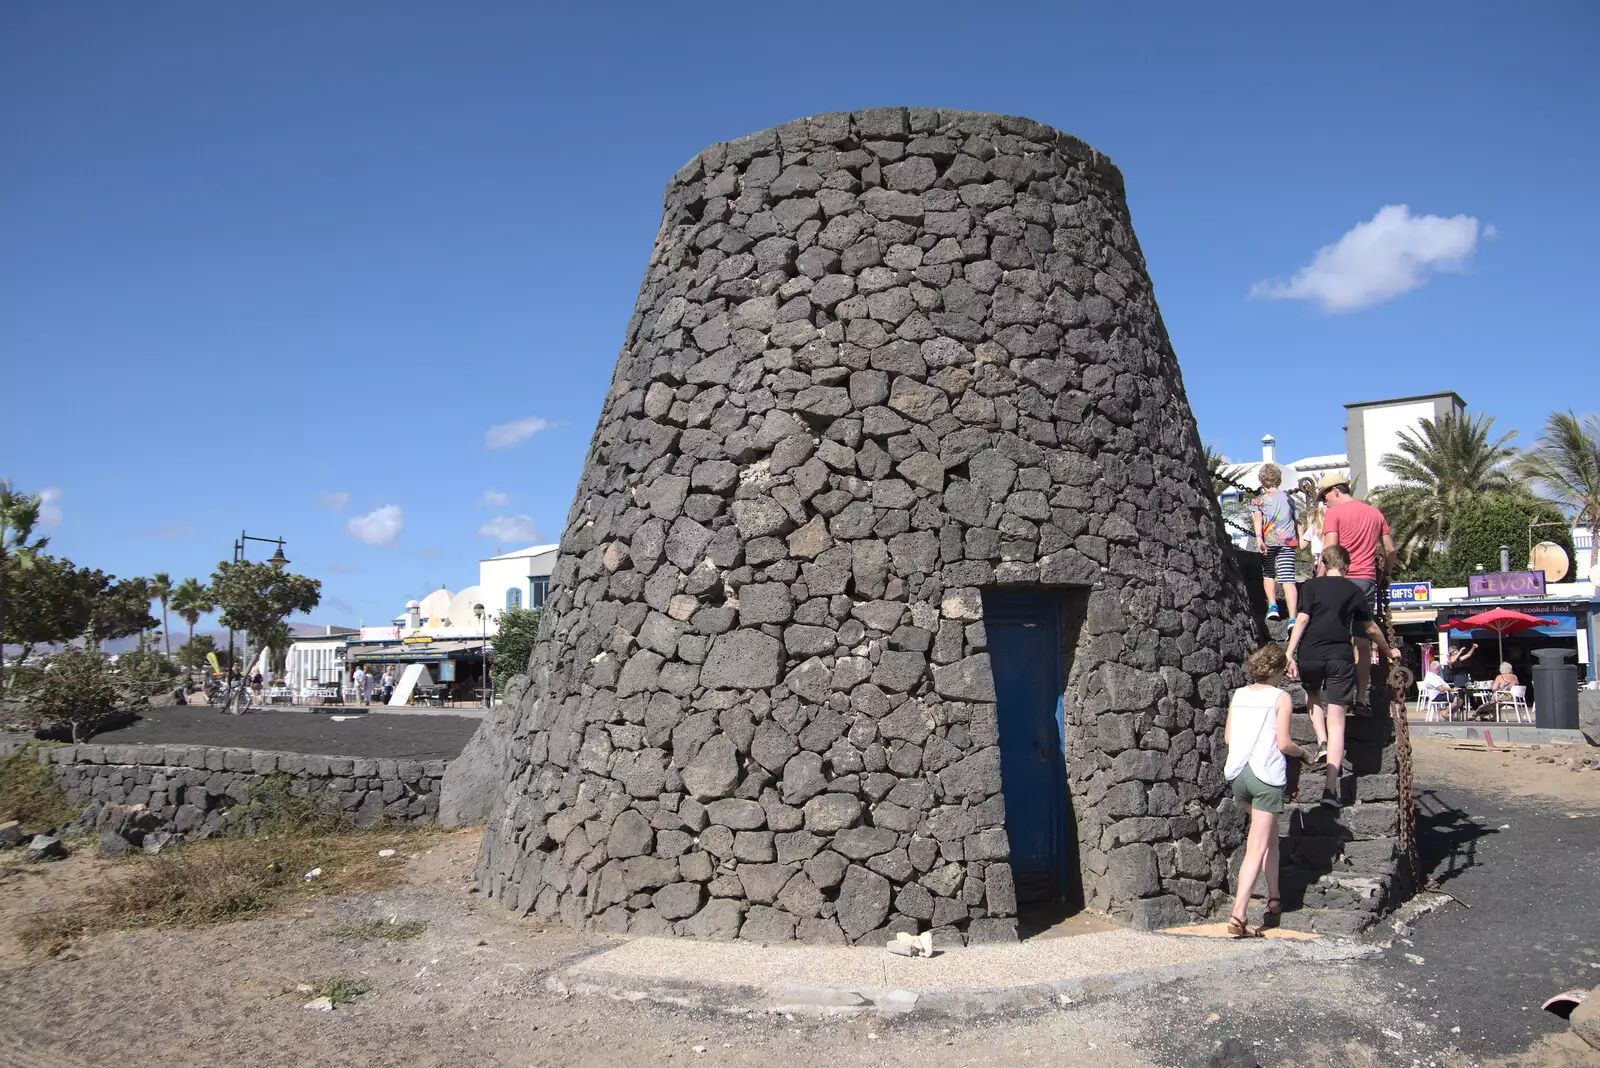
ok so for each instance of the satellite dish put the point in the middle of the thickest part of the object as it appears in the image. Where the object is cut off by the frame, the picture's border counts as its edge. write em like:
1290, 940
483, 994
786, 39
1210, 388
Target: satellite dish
1550, 558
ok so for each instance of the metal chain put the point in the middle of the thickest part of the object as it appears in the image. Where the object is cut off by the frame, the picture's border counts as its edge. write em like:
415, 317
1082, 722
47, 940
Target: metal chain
1402, 740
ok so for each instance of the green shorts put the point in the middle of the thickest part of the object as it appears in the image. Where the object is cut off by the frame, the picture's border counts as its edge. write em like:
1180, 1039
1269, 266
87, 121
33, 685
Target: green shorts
1261, 796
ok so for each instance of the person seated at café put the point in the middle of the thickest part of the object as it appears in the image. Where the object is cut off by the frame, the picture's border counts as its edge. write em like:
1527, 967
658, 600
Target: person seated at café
1503, 682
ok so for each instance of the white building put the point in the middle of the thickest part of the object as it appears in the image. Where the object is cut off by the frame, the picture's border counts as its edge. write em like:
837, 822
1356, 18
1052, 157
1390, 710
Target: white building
519, 579
1374, 429
316, 658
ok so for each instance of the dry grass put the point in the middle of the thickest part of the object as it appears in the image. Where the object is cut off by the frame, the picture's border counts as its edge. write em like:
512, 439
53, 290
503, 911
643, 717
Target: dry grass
29, 794
227, 879
392, 930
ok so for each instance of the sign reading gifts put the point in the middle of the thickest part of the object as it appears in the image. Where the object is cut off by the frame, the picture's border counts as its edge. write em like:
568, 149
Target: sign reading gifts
1410, 592
1506, 584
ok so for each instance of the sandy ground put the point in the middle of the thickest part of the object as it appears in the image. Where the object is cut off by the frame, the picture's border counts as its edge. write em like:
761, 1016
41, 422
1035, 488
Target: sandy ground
471, 990
1563, 774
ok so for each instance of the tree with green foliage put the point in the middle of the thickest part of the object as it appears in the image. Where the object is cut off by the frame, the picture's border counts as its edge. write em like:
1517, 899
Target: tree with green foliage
256, 597
19, 549
513, 644
161, 590
118, 608
1442, 465
1565, 466
51, 603
192, 654
1481, 526
278, 641
191, 600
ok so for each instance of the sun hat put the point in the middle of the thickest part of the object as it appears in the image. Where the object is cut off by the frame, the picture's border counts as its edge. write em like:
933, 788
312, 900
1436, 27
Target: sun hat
1328, 481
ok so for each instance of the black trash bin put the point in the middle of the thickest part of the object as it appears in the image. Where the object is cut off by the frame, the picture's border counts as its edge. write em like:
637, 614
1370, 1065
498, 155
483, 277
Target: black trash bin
1555, 690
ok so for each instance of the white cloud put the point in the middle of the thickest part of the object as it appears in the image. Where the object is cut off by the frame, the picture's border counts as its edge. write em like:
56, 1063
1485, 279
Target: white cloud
510, 529
1392, 253
50, 506
333, 502
506, 435
495, 499
378, 527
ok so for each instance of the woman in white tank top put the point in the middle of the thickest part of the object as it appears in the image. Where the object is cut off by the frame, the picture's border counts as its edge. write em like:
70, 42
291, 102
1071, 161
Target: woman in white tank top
1258, 739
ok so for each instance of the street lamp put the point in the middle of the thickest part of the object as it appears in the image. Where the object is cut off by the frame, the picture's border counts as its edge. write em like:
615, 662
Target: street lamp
483, 651
277, 560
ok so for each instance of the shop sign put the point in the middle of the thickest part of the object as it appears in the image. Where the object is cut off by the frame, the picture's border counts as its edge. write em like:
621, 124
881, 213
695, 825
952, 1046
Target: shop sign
1410, 592
1506, 584
417, 639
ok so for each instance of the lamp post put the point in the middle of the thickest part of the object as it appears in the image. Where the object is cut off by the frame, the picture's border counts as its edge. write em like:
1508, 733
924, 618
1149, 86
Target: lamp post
483, 651
277, 560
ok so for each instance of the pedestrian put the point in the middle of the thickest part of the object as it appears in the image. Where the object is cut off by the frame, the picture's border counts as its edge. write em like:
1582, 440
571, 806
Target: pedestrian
358, 679
368, 683
388, 683
1459, 673
1333, 606
1277, 538
1360, 530
1257, 734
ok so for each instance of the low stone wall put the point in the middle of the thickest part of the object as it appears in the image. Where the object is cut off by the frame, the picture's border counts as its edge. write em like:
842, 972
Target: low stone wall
194, 790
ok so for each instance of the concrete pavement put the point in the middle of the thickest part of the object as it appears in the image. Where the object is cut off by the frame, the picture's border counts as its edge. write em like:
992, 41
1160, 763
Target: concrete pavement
974, 980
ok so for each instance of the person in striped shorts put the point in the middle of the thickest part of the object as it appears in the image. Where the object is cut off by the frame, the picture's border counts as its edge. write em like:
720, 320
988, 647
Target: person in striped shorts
1278, 538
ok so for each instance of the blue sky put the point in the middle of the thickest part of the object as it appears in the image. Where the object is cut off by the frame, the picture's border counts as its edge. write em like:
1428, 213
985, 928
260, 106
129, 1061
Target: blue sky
283, 267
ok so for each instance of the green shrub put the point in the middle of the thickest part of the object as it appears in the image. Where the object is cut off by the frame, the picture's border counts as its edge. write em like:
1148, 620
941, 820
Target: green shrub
281, 807
77, 692
29, 792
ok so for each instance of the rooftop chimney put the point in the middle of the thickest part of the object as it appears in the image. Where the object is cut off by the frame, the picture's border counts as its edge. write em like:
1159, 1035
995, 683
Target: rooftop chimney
1269, 449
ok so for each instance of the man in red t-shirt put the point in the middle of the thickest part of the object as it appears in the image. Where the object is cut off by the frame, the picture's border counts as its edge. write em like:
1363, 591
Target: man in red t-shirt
1359, 529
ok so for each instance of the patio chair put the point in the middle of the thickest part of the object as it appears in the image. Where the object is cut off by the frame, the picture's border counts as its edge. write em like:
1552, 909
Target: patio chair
1516, 700
1436, 703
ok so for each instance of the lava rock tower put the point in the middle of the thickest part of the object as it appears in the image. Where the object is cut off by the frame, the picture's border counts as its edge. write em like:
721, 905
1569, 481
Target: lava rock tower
885, 366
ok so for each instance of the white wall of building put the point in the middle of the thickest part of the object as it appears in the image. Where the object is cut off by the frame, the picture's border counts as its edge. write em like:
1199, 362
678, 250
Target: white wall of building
520, 578
1381, 435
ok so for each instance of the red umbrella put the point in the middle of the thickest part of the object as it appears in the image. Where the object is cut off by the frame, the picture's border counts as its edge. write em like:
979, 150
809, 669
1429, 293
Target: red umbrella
1502, 621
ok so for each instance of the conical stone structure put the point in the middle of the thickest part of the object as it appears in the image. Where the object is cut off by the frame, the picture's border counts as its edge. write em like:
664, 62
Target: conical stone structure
895, 388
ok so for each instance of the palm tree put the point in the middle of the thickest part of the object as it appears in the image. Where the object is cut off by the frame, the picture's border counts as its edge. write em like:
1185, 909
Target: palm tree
1565, 465
1225, 481
161, 590
1442, 465
19, 549
191, 600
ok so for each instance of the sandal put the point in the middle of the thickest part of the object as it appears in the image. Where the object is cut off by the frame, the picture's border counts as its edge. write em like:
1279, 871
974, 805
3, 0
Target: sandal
1238, 928
1274, 907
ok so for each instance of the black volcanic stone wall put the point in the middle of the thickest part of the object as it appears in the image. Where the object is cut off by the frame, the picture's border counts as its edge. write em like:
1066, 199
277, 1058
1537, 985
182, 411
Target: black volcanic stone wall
880, 361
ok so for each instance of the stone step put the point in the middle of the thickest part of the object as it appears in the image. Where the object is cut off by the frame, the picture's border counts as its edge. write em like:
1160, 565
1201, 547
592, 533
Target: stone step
1328, 854
1329, 921
1358, 822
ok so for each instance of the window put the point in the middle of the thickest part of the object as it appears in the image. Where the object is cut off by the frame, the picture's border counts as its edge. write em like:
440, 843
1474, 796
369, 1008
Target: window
513, 598
541, 589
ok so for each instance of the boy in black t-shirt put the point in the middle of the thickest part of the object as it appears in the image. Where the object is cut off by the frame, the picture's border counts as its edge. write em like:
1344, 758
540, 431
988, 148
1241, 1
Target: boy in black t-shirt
1321, 656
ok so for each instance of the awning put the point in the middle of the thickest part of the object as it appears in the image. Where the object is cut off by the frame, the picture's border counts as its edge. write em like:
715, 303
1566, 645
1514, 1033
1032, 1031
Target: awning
414, 653
1426, 615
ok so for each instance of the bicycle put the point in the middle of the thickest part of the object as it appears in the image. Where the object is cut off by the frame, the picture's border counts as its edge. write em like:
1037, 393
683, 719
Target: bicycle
230, 698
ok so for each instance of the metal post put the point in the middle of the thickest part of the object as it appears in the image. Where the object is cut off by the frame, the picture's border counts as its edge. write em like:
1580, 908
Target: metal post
483, 651
1505, 558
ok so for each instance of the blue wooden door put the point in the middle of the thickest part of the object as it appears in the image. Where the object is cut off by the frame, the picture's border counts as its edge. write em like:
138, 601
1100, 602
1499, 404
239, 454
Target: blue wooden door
1024, 637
